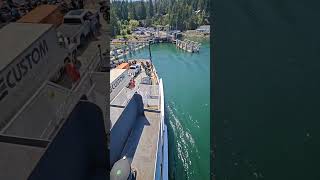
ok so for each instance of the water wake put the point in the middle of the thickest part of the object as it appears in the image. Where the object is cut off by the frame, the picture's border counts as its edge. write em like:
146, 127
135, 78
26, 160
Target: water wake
187, 151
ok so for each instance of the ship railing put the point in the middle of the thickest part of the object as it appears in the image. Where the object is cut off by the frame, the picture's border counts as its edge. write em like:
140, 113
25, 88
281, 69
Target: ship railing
78, 89
149, 96
6, 124
129, 93
66, 106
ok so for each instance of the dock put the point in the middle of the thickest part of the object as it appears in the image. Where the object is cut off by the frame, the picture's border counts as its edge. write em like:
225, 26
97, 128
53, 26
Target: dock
188, 45
126, 49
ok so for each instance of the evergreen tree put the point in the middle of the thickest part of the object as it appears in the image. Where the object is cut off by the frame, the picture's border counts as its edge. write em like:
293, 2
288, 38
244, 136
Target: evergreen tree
124, 10
150, 8
143, 11
114, 22
180, 14
155, 7
132, 11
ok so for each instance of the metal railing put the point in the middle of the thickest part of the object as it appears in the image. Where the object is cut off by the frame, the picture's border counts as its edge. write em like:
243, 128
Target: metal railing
77, 90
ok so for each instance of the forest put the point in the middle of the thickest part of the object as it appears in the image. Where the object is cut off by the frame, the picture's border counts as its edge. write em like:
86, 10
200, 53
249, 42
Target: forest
177, 14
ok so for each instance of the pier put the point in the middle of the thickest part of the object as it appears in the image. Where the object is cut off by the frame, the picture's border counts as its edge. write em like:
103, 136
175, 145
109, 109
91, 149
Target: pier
188, 45
125, 49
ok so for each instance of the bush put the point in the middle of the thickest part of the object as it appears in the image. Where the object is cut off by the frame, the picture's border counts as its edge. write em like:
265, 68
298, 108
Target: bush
133, 24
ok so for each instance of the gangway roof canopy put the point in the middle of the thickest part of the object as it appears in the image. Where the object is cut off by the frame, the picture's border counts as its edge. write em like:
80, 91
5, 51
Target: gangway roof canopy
16, 38
38, 14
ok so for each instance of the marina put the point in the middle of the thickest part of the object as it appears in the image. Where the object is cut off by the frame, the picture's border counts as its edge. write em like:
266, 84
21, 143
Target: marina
118, 54
120, 48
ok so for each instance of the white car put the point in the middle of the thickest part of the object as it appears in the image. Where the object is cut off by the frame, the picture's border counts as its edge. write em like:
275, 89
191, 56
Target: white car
79, 24
134, 69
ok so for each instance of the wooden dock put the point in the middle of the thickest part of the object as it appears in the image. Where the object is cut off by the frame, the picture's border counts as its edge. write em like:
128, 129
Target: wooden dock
187, 45
127, 48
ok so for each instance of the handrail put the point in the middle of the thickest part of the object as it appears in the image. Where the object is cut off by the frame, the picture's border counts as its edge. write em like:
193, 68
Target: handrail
29, 101
64, 108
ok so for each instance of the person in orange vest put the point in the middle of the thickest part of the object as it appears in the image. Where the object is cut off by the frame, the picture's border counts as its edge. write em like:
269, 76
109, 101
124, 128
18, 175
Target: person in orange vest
130, 84
72, 71
133, 83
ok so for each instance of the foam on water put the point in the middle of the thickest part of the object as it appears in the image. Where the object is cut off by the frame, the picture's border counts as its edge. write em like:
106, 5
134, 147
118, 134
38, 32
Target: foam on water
184, 141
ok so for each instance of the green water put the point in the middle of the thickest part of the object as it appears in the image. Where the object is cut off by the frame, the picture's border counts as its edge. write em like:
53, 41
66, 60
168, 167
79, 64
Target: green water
186, 80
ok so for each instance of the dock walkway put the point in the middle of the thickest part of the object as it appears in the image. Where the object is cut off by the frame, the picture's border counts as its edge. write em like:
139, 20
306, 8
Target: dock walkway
187, 45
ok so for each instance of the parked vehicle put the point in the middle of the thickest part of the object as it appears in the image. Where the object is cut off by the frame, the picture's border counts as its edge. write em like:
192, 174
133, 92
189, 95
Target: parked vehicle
78, 25
27, 61
134, 69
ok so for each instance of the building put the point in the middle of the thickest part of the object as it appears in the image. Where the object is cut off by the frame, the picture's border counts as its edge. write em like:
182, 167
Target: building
203, 29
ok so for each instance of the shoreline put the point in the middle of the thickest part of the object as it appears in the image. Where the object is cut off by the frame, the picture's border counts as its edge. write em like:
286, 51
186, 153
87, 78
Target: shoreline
191, 35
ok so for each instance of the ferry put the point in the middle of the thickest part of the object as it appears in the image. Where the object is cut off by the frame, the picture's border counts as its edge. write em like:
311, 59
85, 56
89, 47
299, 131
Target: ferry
138, 134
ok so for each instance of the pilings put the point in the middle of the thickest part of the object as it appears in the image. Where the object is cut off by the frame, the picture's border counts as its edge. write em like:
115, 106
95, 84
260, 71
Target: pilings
187, 45
126, 49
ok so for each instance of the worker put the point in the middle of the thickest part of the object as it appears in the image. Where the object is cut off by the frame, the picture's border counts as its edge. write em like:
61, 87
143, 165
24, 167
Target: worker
72, 71
132, 83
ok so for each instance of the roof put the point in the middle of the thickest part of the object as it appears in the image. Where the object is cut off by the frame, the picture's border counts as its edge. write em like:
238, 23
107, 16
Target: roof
14, 40
115, 73
204, 27
123, 65
38, 14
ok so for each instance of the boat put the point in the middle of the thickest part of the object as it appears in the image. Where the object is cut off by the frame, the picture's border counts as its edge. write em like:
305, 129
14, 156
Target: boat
138, 134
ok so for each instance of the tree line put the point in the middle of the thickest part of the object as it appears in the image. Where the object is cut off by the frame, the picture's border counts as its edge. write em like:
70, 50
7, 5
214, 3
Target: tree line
177, 14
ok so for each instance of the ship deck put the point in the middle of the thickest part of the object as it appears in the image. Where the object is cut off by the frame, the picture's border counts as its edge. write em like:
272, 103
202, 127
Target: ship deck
142, 144
149, 93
